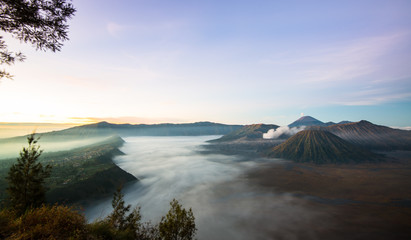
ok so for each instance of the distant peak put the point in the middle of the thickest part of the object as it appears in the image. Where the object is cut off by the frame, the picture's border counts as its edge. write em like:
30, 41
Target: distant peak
306, 121
306, 118
102, 124
365, 123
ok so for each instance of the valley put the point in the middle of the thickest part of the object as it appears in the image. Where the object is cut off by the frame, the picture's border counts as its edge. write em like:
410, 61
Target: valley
363, 201
304, 183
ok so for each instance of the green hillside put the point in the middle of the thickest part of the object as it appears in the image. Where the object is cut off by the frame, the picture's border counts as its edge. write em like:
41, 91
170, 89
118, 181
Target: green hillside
80, 173
321, 147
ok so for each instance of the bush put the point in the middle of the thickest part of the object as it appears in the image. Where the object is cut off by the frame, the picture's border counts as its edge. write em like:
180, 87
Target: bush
7, 223
50, 222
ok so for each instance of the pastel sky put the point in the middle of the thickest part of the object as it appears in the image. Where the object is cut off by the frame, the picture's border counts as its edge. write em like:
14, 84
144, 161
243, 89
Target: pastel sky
151, 61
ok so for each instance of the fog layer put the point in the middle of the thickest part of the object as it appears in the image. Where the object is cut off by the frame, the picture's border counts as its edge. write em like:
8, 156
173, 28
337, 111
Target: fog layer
12, 149
225, 205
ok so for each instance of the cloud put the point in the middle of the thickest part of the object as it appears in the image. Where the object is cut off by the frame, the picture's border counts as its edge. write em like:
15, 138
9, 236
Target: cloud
115, 29
373, 97
226, 204
403, 128
127, 119
340, 61
283, 130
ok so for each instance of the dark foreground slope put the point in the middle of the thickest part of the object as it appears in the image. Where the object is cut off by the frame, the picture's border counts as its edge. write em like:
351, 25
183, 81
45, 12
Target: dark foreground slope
320, 147
371, 136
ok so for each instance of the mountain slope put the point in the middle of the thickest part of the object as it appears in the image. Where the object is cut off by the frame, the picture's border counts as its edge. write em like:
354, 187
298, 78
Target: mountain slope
248, 132
105, 129
372, 136
320, 147
166, 129
306, 121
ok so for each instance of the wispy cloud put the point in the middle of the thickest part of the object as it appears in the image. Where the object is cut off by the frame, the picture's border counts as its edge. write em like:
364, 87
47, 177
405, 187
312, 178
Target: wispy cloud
338, 62
160, 29
115, 29
127, 119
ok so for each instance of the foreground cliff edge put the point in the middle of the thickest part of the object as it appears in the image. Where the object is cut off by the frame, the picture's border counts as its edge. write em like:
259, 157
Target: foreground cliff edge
79, 174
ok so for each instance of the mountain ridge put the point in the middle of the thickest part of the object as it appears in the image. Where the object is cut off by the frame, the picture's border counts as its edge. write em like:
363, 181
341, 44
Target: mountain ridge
371, 136
320, 147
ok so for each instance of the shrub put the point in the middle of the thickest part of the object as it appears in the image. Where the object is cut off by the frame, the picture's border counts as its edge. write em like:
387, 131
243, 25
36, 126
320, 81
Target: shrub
50, 222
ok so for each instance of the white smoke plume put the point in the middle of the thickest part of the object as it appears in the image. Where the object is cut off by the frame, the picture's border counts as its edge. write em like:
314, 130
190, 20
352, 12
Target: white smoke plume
276, 133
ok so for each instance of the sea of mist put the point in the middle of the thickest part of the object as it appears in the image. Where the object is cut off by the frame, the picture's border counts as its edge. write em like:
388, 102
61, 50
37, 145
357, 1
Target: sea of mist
225, 204
11, 149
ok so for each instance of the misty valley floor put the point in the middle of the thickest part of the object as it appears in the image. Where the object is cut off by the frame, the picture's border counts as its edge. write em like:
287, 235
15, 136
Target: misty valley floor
365, 201
246, 197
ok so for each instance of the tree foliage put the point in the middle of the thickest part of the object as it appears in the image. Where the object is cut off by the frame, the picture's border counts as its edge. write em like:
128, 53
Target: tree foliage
124, 225
26, 178
50, 222
42, 23
62, 222
178, 224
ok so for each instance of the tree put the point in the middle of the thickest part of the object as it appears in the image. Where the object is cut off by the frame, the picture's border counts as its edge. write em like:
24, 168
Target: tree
42, 23
178, 224
118, 218
125, 226
26, 178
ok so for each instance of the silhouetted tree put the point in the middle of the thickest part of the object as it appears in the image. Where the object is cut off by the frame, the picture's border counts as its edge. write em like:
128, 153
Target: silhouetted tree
26, 178
39, 22
178, 224
124, 225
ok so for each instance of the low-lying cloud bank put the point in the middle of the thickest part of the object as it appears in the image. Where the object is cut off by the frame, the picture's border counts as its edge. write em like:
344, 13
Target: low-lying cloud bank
283, 130
215, 186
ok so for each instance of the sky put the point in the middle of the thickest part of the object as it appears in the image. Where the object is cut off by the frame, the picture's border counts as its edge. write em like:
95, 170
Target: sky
234, 62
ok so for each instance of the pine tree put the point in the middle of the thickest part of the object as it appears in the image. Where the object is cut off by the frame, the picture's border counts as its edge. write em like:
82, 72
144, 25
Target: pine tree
26, 178
178, 224
42, 23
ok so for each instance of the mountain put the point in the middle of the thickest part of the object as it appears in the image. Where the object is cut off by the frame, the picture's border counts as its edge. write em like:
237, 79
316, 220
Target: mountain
166, 129
248, 132
329, 123
371, 136
104, 129
306, 121
316, 146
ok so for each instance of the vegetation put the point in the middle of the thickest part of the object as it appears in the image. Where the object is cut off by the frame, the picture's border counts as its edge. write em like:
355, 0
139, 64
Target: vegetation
26, 178
80, 173
39, 22
178, 224
24, 218
63, 222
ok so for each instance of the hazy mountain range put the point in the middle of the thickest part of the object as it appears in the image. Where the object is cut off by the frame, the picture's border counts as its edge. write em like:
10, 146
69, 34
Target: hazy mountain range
310, 121
317, 142
344, 136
